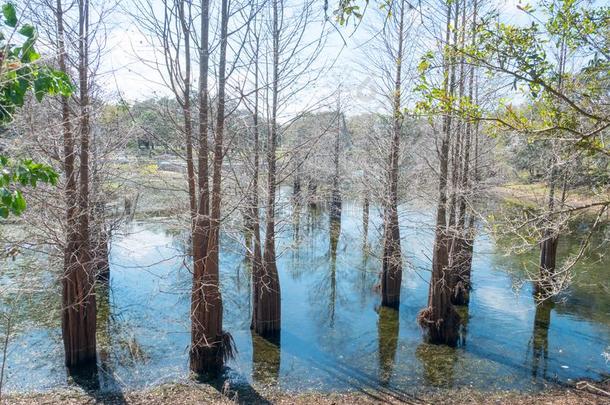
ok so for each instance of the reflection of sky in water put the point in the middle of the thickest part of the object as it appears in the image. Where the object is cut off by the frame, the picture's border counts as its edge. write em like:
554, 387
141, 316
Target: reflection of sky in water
332, 335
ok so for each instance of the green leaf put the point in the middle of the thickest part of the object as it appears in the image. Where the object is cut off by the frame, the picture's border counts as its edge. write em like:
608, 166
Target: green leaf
41, 87
10, 15
19, 204
27, 30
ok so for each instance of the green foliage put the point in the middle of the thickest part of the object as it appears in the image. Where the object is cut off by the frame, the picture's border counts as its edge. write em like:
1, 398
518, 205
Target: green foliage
20, 74
10, 15
519, 51
569, 97
437, 100
152, 117
346, 9
23, 173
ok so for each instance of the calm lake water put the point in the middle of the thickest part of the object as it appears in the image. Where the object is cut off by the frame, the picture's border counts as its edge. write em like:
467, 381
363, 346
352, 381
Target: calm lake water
334, 336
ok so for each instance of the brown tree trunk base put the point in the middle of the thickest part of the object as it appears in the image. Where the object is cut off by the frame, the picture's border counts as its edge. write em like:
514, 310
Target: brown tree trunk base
439, 320
543, 288
85, 376
266, 315
207, 360
461, 270
78, 320
440, 330
391, 276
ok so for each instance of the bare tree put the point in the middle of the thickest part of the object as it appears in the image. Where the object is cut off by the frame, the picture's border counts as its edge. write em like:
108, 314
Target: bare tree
439, 318
218, 345
391, 276
78, 296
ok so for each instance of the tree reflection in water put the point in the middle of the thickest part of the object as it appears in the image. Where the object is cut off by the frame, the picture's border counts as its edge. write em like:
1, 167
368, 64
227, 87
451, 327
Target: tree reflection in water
265, 360
540, 339
388, 326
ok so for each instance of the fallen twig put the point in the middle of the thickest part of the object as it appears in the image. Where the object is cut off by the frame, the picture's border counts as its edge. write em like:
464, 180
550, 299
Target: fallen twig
585, 385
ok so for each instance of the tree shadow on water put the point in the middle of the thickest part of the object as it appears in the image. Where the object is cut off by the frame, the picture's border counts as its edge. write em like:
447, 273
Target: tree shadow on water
338, 370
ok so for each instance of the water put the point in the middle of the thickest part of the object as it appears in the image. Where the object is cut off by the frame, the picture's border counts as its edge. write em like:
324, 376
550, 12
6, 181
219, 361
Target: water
334, 336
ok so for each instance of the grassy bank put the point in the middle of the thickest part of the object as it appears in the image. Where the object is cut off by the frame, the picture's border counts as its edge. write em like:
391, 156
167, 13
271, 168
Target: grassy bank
191, 393
536, 195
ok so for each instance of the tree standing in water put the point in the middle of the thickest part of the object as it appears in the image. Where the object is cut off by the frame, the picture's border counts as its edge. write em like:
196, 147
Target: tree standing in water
545, 59
211, 346
292, 58
439, 319
391, 275
78, 293
267, 319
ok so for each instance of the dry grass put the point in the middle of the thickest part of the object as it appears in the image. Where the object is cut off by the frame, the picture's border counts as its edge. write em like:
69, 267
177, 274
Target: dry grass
187, 394
536, 194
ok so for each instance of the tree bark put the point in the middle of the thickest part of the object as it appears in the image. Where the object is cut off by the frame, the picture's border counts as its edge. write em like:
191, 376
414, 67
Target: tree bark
463, 241
335, 202
214, 346
365, 220
185, 22
199, 306
78, 294
268, 318
391, 276
439, 319
254, 220
543, 288
548, 247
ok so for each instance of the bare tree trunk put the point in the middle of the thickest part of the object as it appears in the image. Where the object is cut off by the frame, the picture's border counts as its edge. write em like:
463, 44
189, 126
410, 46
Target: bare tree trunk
365, 219
254, 220
185, 22
456, 146
439, 319
209, 354
268, 320
335, 202
464, 237
335, 214
7, 337
201, 221
78, 294
100, 240
391, 276
475, 179
543, 288
548, 246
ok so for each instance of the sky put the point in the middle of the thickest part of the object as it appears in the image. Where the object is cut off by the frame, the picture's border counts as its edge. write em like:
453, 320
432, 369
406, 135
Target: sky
123, 75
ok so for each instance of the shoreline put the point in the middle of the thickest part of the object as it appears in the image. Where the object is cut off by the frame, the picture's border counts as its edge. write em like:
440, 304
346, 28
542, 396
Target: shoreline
582, 393
536, 194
